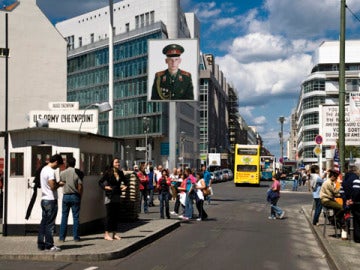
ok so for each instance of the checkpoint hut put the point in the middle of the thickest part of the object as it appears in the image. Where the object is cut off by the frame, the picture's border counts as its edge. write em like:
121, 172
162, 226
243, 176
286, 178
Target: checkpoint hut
31, 147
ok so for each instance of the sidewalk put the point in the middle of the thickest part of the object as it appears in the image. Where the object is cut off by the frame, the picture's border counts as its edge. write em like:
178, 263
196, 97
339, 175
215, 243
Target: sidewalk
92, 247
341, 254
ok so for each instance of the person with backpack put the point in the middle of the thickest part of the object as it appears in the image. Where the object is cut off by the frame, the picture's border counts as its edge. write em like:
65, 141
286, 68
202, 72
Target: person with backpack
49, 204
351, 188
163, 187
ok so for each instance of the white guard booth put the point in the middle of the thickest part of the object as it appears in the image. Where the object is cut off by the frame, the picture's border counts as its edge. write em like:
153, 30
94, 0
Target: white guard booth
31, 147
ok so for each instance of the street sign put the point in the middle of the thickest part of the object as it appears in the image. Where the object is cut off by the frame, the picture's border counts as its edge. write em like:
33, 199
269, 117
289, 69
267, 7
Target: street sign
317, 150
318, 139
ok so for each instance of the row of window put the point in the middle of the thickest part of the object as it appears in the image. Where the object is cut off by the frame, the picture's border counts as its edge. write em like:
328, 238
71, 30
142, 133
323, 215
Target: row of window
335, 67
309, 135
313, 102
89, 96
134, 107
129, 49
134, 126
130, 88
144, 19
90, 164
314, 85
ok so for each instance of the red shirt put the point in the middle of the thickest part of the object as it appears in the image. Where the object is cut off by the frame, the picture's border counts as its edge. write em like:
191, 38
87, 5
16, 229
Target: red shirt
144, 180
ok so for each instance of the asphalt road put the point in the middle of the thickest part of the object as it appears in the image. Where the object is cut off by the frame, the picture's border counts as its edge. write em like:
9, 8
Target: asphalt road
237, 235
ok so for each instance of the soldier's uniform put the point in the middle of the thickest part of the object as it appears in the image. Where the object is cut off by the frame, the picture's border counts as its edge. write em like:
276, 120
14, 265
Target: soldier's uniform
168, 86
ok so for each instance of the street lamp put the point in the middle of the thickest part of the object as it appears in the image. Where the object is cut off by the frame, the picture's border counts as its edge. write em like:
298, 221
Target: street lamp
146, 126
182, 142
281, 135
4, 52
102, 108
111, 67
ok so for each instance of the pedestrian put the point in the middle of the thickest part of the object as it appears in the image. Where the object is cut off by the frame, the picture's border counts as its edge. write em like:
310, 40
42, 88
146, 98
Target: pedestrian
174, 183
49, 204
295, 180
113, 182
328, 195
199, 196
316, 182
351, 187
163, 187
275, 211
72, 189
151, 187
180, 192
143, 186
190, 182
208, 181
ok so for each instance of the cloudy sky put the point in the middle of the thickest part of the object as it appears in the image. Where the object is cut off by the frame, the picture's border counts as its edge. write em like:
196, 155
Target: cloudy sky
264, 47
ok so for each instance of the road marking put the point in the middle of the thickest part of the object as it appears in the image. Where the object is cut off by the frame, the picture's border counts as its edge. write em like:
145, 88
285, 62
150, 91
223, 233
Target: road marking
91, 268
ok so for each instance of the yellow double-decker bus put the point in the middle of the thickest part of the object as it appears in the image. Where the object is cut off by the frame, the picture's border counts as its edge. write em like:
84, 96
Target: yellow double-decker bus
247, 164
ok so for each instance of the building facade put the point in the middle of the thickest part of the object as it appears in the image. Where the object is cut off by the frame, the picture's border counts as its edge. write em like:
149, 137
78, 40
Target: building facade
135, 22
321, 87
36, 65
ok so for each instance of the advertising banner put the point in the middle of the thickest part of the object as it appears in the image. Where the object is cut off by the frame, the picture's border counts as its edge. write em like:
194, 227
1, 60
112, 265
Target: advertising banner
329, 126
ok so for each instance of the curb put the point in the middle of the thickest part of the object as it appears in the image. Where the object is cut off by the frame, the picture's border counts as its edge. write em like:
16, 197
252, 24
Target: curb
335, 263
121, 252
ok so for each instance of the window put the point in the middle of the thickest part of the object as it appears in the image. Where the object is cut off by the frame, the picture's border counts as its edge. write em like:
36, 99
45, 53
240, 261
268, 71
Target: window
16, 164
127, 27
92, 38
80, 41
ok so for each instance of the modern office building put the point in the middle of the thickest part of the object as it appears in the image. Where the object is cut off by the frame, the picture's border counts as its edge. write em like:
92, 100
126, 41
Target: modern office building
213, 104
36, 65
321, 87
134, 23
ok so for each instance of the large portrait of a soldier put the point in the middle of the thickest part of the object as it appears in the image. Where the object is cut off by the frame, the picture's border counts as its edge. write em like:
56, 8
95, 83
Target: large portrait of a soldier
173, 83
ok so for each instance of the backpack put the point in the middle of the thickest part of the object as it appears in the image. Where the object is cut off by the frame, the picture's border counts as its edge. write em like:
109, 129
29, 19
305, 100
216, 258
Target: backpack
36, 181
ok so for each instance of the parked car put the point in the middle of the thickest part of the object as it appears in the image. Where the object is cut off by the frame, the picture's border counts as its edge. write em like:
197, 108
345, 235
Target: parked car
218, 176
227, 174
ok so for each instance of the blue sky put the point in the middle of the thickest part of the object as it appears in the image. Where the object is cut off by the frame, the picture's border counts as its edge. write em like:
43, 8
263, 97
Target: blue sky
264, 48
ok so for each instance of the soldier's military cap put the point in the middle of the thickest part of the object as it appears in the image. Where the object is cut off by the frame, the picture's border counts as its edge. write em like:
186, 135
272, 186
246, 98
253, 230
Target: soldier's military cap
173, 50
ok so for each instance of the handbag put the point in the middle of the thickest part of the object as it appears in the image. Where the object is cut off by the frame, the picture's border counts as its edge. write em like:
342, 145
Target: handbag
206, 191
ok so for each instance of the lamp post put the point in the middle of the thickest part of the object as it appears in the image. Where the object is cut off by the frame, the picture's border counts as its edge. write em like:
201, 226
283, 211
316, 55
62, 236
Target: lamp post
111, 68
146, 126
342, 87
102, 107
4, 52
182, 142
281, 135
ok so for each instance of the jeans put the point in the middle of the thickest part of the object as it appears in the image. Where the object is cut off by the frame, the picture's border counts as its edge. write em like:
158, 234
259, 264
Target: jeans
189, 205
151, 196
112, 216
143, 197
200, 207
317, 212
47, 224
295, 185
275, 210
70, 201
282, 183
164, 202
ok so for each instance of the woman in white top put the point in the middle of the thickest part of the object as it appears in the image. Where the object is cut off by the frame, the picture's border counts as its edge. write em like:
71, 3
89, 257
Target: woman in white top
200, 185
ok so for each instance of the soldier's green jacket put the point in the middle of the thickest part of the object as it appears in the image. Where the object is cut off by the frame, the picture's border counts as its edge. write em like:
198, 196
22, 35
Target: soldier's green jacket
172, 87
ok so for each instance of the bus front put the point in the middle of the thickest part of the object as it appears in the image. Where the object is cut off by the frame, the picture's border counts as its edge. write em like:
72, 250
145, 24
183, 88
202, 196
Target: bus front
247, 164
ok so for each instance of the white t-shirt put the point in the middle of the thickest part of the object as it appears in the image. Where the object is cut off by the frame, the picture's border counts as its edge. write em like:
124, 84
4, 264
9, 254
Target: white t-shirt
46, 174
